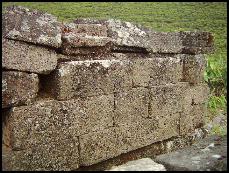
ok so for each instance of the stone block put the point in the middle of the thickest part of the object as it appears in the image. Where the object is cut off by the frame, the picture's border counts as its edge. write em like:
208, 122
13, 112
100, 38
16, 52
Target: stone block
98, 146
157, 70
144, 164
18, 88
32, 26
131, 106
34, 125
167, 99
194, 67
181, 42
192, 119
89, 78
24, 57
45, 157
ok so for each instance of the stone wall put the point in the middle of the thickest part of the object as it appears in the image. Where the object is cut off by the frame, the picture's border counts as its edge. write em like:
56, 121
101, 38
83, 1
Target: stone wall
75, 94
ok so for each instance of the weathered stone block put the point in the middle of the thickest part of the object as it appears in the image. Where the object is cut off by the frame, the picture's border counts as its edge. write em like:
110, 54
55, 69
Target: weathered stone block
18, 88
131, 106
194, 66
89, 78
33, 125
28, 25
24, 57
181, 42
98, 146
167, 99
192, 118
157, 70
85, 29
45, 157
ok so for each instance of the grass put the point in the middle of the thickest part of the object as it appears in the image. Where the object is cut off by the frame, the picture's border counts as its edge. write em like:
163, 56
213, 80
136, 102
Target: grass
161, 16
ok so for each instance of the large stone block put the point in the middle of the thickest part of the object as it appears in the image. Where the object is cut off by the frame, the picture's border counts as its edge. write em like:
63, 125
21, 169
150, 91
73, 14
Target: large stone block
194, 66
89, 78
181, 42
167, 99
33, 125
18, 88
131, 106
24, 57
28, 25
157, 70
45, 157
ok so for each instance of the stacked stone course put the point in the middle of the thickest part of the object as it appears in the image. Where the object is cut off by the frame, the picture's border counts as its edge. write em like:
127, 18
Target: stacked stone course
79, 93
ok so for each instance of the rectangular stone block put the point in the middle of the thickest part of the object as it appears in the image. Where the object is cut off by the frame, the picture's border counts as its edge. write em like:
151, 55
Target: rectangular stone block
85, 29
24, 57
181, 42
20, 23
33, 125
194, 67
192, 119
167, 99
46, 157
131, 106
157, 70
89, 78
18, 88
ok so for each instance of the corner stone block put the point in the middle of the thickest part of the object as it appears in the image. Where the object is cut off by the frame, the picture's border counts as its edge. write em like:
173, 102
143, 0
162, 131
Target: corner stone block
181, 42
192, 119
18, 88
157, 70
194, 66
90, 78
32, 26
30, 58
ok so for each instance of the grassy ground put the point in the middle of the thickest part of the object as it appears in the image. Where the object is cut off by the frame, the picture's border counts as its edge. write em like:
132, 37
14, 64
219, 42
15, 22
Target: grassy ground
162, 16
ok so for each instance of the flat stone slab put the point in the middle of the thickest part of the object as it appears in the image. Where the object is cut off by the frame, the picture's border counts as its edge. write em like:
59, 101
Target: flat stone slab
18, 88
209, 154
144, 164
20, 23
21, 56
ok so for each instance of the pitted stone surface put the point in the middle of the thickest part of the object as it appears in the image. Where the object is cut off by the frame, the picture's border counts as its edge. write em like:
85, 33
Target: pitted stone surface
209, 154
30, 58
32, 26
18, 88
157, 70
144, 164
89, 78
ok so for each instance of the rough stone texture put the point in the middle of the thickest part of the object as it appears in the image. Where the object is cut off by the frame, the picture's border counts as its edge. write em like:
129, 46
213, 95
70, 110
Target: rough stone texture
89, 78
30, 126
144, 164
181, 42
209, 154
24, 57
194, 67
157, 70
23, 24
18, 88
167, 99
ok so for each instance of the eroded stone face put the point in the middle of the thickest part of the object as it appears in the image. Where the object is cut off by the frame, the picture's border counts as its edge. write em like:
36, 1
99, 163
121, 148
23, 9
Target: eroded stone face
157, 70
89, 78
30, 58
194, 66
32, 26
18, 88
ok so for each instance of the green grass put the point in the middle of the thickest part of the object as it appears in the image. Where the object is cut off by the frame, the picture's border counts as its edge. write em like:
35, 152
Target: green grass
161, 16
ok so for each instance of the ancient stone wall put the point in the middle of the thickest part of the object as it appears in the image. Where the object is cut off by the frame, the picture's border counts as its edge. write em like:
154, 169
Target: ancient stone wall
79, 93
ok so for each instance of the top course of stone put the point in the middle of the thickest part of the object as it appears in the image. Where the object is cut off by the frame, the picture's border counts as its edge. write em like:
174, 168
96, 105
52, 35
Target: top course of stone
84, 36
